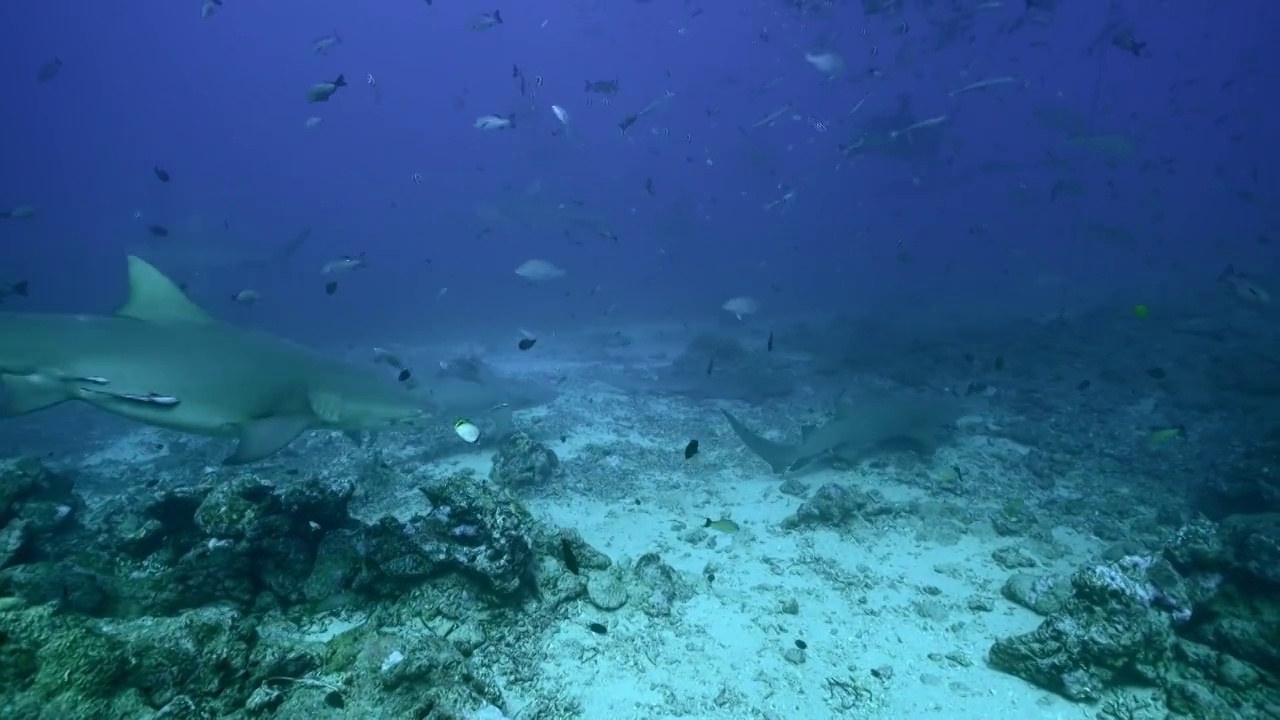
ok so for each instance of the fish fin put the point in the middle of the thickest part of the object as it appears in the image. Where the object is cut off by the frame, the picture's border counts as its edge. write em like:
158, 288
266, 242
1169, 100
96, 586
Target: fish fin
28, 393
781, 457
266, 436
1227, 272
326, 406
155, 298
497, 15
355, 436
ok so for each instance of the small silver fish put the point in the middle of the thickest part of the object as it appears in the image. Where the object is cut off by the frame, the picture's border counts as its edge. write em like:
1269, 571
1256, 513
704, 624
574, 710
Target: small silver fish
247, 297
323, 45
495, 122
486, 21
346, 263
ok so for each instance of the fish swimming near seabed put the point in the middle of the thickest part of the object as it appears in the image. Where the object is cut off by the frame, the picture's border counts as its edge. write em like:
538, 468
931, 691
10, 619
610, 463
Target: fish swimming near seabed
161, 360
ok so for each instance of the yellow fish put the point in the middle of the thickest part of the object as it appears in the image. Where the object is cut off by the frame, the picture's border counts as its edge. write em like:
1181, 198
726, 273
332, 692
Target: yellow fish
723, 525
1141, 312
1161, 436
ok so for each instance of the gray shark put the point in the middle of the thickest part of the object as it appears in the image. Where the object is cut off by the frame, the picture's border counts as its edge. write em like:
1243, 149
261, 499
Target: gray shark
857, 430
163, 361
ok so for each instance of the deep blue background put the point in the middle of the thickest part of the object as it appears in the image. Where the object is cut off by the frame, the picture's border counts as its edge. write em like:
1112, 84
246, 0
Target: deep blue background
220, 104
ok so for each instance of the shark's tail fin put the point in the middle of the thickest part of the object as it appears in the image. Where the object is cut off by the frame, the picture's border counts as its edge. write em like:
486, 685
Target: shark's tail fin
779, 455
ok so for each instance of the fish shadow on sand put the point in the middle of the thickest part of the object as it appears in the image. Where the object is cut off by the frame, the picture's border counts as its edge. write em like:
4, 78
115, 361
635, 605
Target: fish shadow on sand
861, 427
712, 367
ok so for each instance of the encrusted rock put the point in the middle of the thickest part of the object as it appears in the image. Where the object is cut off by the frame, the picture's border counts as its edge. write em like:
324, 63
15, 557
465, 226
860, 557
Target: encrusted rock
607, 591
522, 461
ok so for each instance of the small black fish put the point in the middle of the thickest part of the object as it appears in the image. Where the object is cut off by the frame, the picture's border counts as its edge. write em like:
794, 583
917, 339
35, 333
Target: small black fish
597, 628
567, 554
331, 287
537, 81
49, 70
801, 644
404, 375
19, 288
999, 363
769, 346
691, 449
711, 365
526, 343
648, 185
161, 174
158, 230
1083, 385
1156, 373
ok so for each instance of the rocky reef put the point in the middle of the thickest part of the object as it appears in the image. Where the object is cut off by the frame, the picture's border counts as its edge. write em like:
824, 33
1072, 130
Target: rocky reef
1196, 620
246, 596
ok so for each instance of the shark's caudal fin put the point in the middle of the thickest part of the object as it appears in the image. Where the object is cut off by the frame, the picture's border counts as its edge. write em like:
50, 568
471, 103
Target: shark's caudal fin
154, 298
779, 456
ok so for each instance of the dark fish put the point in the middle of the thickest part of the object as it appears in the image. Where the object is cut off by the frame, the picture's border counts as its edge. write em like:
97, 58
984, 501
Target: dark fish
769, 345
648, 185
1128, 43
597, 628
801, 644
998, 364
404, 375
1156, 373
161, 175
19, 288
526, 343
1083, 385
711, 365
158, 230
691, 449
331, 287
567, 554
49, 70
604, 87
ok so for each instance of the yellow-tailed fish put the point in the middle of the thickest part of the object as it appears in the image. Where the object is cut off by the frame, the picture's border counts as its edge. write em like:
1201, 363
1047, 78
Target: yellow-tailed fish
723, 525
1141, 312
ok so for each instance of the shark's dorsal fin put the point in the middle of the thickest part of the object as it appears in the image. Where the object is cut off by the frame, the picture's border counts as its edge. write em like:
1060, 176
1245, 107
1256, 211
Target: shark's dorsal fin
155, 298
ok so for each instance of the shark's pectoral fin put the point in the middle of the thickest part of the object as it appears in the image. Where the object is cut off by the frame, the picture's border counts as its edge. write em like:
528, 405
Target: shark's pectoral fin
327, 406
267, 436
28, 393
355, 436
